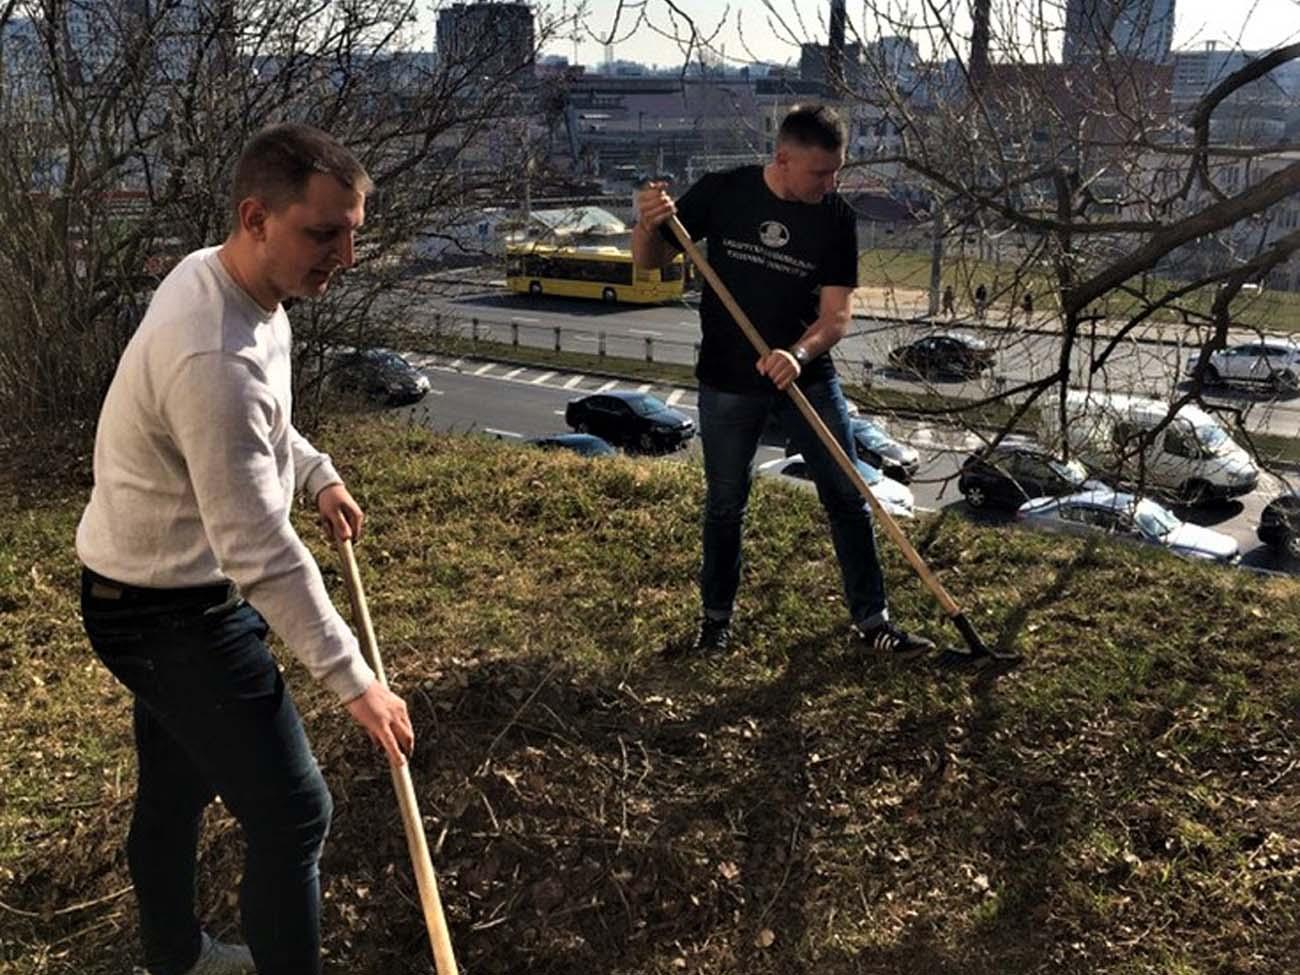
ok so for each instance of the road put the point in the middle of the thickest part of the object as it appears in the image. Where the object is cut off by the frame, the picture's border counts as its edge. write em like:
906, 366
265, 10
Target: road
514, 403
1148, 367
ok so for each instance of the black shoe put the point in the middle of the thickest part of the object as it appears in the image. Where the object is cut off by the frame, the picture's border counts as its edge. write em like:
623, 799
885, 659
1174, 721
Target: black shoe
713, 636
894, 641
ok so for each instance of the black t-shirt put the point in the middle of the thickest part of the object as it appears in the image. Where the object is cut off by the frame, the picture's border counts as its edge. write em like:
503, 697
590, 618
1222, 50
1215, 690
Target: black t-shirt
774, 255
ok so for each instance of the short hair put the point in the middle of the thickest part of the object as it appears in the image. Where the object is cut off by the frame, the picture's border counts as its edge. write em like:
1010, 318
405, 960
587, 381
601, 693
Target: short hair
277, 162
813, 125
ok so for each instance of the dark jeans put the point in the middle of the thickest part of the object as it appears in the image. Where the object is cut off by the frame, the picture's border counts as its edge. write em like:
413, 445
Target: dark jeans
213, 717
730, 426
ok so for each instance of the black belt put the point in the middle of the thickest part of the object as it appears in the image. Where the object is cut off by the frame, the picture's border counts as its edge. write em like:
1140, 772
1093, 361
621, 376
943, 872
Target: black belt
124, 594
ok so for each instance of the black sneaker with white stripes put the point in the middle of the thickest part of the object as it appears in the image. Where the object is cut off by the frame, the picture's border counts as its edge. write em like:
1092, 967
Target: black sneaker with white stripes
714, 636
711, 636
895, 641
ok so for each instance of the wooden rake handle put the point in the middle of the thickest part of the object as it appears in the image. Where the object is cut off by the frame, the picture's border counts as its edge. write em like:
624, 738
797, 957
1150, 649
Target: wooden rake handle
439, 937
836, 451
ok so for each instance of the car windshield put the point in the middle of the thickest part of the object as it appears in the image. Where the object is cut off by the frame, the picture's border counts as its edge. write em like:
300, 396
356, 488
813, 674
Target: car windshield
388, 360
1154, 520
870, 434
1213, 438
1070, 470
646, 404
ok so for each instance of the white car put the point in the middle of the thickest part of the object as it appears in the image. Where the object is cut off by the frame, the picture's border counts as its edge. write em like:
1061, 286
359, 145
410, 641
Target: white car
1129, 518
1272, 361
893, 496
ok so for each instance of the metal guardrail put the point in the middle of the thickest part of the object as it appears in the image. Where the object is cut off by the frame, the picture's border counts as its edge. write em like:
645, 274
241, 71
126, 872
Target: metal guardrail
558, 338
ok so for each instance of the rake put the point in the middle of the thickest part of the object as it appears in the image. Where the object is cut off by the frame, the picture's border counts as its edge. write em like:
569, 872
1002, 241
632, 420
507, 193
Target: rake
416, 843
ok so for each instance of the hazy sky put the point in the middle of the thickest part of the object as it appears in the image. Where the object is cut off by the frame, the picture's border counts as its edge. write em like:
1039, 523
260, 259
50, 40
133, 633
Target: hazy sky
1250, 24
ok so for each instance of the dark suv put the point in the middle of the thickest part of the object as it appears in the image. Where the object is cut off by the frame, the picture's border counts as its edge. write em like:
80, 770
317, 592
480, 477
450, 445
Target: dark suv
1015, 471
380, 375
636, 420
1279, 525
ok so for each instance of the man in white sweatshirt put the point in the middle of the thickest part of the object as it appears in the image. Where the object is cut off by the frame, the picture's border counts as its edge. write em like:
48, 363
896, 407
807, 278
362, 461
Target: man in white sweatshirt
189, 556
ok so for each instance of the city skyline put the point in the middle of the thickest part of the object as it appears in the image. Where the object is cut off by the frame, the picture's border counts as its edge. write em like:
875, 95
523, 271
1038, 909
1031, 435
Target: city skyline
759, 30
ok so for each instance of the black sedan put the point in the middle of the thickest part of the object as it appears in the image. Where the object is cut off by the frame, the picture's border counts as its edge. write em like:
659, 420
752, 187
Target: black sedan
1279, 525
946, 355
636, 420
1015, 471
380, 375
582, 444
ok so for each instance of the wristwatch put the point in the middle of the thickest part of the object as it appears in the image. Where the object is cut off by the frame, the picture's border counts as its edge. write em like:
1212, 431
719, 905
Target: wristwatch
801, 355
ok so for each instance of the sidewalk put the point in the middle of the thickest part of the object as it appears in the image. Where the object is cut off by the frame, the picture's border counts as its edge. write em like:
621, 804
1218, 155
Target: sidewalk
909, 306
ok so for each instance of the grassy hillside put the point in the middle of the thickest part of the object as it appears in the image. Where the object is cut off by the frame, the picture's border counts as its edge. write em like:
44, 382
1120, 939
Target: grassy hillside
1126, 801
908, 273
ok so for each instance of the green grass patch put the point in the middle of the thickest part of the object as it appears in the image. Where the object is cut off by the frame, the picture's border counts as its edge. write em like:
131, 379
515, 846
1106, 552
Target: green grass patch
1125, 801
1272, 311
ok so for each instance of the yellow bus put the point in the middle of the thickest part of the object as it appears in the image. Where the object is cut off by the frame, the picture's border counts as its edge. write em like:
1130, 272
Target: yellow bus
606, 273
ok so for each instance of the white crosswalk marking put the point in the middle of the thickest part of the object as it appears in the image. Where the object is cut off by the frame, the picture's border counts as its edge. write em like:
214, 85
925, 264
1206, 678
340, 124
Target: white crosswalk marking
543, 379
572, 381
485, 368
608, 386
675, 396
512, 373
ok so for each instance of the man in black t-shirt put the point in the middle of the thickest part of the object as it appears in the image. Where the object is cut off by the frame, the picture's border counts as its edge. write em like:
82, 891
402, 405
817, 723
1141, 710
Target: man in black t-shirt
785, 245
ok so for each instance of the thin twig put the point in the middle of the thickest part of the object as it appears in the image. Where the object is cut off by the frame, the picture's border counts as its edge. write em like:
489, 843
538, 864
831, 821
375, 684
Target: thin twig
72, 909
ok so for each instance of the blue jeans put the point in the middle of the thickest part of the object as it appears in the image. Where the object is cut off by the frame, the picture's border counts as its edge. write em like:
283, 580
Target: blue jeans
730, 426
213, 717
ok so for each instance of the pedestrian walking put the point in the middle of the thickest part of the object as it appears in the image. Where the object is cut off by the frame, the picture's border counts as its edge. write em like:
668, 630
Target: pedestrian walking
785, 244
981, 302
1027, 305
949, 302
189, 557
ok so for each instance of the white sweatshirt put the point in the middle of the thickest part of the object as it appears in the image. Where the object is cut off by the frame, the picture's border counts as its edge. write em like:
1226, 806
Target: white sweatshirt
197, 464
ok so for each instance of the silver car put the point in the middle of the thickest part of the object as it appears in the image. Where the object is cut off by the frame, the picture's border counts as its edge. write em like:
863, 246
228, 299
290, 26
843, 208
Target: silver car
1129, 518
1275, 362
894, 497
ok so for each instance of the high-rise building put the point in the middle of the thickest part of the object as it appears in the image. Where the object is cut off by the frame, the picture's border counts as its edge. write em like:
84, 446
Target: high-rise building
1142, 30
498, 40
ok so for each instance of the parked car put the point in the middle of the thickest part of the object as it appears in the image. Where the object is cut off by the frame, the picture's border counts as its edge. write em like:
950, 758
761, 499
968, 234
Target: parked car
1193, 457
878, 449
582, 444
1274, 362
894, 497
774, 433
1015, 471
944, 355
631, 419
1279, 525
381, 375
1129, 518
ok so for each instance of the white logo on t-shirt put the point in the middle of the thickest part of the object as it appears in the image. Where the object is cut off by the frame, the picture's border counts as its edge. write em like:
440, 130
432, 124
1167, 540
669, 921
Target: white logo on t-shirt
774, 234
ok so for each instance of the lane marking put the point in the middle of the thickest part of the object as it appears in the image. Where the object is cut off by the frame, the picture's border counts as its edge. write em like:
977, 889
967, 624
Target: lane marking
572, 381
541, 380
608, 386
512, 373
643, 331
674, 396
643, 388
482, 369
503, 433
